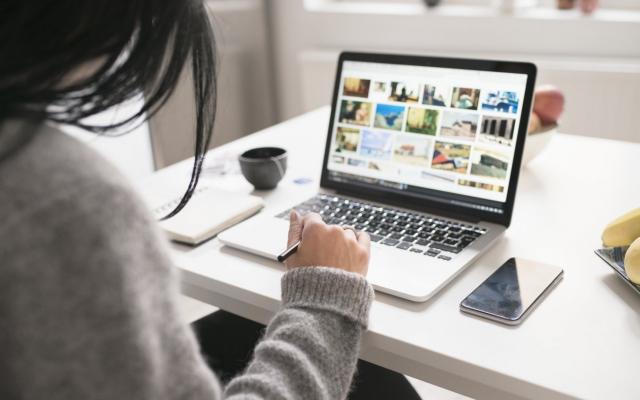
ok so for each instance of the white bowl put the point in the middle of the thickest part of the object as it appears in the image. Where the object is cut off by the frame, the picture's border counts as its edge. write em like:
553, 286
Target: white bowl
537, 142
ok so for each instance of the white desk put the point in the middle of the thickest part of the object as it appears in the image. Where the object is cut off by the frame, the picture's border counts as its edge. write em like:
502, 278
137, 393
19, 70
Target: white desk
584, 339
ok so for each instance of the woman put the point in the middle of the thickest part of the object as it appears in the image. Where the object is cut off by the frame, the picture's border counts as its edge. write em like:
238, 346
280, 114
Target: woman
87, 291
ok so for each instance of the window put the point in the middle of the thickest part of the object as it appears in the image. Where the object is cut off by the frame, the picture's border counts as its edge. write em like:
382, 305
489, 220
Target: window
604, 4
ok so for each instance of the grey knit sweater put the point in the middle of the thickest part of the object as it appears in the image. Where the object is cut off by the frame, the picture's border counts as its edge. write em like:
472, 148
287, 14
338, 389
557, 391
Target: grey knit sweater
88, 295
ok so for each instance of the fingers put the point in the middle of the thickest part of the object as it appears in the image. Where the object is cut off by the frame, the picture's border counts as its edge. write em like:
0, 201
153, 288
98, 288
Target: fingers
312, 225
295, 228
364, 239
350, 233
297, 224
312, 220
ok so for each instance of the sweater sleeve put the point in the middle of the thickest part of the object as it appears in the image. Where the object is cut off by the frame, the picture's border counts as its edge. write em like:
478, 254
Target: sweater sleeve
310, 348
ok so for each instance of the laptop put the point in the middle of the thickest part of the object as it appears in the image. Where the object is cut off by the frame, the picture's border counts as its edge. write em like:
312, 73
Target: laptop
422, 153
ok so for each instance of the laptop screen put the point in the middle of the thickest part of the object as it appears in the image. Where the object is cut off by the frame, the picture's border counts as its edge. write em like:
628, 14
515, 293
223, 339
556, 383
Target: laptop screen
445, 134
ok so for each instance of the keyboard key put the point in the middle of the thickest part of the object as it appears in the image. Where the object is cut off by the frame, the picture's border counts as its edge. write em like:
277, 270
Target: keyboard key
451, 242
444, 247
375, 238
443, 257
390, 242
431, 253
437, 239
416, 250
409, 239
471, 233
404, 245
422, 242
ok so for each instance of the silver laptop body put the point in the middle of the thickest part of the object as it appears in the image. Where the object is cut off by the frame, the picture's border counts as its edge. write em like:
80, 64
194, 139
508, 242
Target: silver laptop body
423, 154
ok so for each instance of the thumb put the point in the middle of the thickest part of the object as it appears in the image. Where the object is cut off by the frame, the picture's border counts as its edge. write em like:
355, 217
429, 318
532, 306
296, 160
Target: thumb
295, 227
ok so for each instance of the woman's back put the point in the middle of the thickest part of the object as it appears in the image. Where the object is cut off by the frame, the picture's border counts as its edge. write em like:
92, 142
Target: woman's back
85, 286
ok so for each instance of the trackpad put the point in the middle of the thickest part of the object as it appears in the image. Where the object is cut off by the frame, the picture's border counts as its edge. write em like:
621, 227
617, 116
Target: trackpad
264, 236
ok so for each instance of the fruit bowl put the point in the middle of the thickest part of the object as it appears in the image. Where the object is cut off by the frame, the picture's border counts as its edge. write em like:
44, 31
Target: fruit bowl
537, 141
614, 257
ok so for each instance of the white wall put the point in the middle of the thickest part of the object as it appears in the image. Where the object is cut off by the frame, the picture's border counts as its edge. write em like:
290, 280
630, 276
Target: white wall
245, 91
130, 152
595, 60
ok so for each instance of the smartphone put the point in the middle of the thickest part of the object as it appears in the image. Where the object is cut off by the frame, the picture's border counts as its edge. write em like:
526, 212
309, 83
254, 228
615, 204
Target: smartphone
512, 291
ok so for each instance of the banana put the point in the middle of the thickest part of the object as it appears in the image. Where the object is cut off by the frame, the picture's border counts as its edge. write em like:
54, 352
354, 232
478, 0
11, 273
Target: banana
622, 230
632, 262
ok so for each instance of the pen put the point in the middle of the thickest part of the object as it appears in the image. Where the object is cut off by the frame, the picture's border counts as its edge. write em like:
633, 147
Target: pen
288, 252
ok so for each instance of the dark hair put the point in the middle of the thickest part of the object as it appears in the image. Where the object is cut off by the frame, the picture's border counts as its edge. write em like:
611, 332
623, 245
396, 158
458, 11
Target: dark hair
136, 47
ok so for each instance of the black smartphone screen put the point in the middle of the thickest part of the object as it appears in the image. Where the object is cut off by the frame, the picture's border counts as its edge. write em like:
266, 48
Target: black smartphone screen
512, 289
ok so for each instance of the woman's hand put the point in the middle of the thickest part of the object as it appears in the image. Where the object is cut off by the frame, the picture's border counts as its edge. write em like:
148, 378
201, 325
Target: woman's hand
327, 245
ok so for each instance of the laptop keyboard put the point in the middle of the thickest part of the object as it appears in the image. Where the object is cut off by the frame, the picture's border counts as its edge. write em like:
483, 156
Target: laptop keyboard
405, 230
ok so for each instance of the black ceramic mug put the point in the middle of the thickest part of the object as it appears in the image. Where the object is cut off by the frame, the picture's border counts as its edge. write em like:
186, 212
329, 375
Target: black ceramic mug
264, 167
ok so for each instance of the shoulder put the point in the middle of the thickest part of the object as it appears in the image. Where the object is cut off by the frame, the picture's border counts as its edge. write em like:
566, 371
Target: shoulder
53, 162
53, 169
58, 192
68, 213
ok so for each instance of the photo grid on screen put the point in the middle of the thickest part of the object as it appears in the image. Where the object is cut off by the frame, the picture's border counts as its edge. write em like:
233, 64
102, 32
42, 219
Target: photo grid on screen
442, 129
